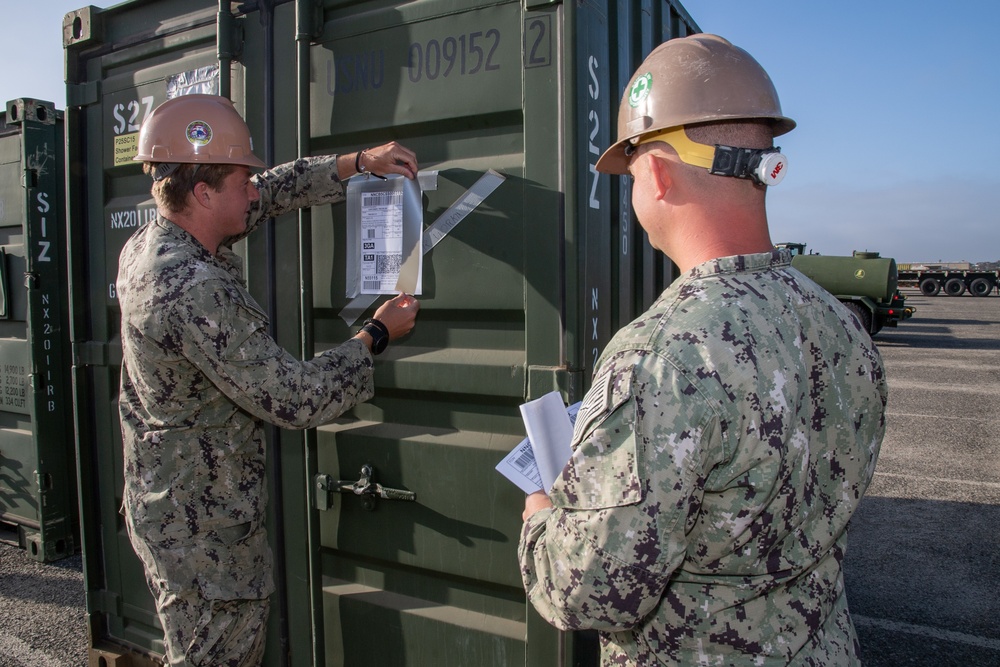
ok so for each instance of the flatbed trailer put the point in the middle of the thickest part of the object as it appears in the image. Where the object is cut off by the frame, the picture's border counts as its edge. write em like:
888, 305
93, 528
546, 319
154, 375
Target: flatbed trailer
952, 282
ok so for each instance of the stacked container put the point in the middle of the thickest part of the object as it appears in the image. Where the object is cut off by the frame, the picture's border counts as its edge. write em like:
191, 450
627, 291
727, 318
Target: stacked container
38, 496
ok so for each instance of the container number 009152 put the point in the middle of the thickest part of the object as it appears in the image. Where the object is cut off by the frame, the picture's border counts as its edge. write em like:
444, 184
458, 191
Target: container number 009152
461, 55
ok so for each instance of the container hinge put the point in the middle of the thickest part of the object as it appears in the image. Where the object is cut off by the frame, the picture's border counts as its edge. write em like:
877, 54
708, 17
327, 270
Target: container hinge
308, 20
90, 353
83, 94
229, 36
29, 179
366, 487
43, 481
543, 379
105, 602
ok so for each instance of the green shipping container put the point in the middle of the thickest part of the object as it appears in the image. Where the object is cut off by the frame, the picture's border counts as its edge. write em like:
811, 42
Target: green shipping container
38, 496
518, 299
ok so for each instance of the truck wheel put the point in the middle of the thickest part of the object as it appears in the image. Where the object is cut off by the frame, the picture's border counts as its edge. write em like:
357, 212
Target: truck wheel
954, 286
981, 287
862, 314
930, 287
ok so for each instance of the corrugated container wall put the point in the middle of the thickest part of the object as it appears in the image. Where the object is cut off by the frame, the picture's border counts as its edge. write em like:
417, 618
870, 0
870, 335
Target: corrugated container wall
38, 496
518, 299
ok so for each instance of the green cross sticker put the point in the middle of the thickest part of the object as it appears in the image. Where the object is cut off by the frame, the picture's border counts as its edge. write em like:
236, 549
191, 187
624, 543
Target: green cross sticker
640, 89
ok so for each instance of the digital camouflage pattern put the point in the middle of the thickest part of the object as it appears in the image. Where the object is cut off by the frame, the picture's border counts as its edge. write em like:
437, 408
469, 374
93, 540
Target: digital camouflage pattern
727, 438
200, 375
200, 630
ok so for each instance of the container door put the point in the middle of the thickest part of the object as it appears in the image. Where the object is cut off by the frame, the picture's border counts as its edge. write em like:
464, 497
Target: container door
436, 575
37, 452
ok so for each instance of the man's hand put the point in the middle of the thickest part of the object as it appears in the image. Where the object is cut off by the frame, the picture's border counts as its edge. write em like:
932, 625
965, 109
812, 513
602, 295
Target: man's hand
398, 315
534, 502
390, 158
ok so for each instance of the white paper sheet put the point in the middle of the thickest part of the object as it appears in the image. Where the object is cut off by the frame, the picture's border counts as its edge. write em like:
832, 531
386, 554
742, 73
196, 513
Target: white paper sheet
539, 459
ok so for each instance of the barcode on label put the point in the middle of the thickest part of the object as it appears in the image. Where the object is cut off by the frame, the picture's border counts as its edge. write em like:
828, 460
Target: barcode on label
381, 198
370, 284
524, 460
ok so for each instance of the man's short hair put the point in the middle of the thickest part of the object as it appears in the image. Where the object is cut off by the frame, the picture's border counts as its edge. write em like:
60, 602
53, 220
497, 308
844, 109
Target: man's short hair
171, 192
742, 133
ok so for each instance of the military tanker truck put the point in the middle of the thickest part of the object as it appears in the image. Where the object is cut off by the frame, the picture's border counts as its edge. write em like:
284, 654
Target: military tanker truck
864, 282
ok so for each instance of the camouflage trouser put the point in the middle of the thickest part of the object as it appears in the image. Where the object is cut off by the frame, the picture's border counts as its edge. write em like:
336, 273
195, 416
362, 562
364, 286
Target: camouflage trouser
200, 632
211, 596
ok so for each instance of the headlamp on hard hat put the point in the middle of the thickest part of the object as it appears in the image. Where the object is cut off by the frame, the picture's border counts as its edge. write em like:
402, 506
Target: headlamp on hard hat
766, 166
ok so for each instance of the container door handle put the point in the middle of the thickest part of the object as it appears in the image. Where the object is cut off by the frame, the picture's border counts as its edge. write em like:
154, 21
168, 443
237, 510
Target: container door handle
365, 486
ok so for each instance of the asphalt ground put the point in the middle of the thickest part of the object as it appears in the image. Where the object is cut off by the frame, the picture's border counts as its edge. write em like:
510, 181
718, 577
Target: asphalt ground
923, 561
923, 554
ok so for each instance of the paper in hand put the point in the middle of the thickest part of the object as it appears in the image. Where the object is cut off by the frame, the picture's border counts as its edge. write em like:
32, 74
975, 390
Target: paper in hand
540, 458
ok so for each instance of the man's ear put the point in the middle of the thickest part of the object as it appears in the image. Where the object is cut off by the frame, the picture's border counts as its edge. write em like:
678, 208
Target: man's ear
661, 171
202, 194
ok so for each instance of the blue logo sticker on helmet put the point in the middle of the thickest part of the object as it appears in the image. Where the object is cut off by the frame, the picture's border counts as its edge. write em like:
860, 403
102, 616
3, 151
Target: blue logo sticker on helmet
640, 89
199, 133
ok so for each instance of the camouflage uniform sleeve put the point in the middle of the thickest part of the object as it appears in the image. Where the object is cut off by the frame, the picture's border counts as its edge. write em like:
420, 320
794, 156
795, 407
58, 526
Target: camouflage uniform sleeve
288, 187
226, 337
603, 556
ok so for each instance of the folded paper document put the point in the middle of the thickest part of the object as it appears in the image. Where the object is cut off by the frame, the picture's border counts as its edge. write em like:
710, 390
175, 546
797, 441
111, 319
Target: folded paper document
539, 459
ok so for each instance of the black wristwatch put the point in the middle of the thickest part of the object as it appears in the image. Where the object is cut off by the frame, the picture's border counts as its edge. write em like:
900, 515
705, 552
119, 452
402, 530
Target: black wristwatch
379, 333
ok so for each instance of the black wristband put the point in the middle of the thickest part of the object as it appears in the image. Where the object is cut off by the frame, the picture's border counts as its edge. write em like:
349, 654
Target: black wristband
379, 333
358, 167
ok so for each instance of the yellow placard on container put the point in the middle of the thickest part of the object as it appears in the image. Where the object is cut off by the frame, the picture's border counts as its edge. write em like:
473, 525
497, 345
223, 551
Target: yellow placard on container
126, 147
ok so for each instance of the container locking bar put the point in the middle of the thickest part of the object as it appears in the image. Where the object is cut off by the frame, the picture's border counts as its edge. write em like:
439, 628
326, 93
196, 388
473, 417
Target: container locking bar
366, 487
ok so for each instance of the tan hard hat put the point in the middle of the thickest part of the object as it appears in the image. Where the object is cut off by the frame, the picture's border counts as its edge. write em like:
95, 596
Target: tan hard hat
204, 129
696, 79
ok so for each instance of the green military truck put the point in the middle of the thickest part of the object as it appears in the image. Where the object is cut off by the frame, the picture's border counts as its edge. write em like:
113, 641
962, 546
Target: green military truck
864, 282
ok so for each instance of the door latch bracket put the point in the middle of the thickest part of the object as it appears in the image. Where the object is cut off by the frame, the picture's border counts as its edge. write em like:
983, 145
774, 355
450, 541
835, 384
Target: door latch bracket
365, 486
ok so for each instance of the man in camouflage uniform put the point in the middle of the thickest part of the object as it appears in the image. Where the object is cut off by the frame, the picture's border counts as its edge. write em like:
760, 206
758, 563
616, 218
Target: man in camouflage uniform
200, 373
732, 429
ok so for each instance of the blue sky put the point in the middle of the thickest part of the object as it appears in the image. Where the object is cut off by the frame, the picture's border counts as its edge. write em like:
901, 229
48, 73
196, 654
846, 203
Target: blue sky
897, 148
897, 106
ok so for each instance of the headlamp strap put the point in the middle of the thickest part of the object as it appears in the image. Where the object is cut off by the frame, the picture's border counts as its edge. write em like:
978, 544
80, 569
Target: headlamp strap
764, 165
164, 169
